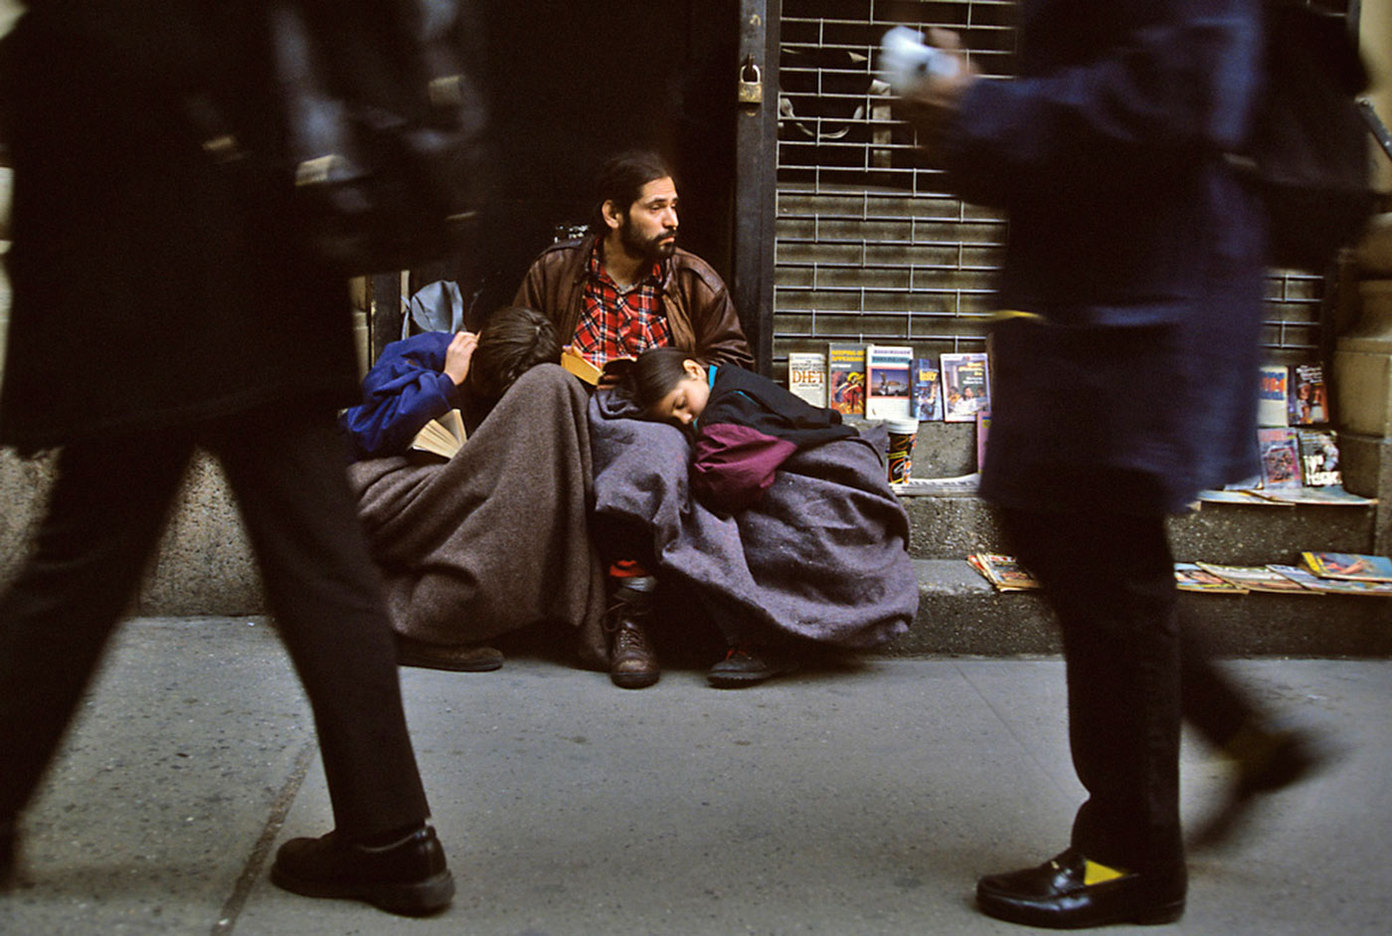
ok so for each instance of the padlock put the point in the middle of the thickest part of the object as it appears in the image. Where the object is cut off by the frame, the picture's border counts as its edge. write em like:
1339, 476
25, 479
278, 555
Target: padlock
751, 83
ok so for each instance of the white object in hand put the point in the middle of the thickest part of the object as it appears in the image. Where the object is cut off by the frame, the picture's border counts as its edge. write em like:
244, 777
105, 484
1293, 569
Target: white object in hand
906, 59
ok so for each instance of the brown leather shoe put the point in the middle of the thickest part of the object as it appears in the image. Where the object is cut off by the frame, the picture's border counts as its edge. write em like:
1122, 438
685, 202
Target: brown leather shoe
632, 662
456, 658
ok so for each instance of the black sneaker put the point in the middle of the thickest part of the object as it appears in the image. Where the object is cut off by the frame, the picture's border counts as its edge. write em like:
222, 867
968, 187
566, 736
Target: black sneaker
408, 877
744, 665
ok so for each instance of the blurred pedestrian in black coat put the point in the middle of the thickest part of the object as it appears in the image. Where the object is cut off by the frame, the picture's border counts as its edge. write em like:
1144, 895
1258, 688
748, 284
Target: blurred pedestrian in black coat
159, 306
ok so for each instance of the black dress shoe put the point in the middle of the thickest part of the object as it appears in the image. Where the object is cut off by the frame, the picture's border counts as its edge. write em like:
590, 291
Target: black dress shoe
1056, 895
454, 658
408, 877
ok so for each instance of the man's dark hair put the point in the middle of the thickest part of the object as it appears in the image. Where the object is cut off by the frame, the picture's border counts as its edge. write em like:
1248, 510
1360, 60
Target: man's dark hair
513, 341
621, 179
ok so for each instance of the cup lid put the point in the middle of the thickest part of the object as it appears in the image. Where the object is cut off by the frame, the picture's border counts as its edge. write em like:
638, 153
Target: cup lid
901, 426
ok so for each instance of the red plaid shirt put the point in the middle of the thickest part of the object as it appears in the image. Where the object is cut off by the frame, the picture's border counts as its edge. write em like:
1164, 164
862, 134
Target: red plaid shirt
618, 323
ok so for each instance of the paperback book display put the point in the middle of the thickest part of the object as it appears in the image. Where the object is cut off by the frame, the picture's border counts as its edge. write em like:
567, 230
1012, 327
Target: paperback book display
927, 390
1273, 399
807, 376
884, 382
966, 386
1307, 456
846, 378
1319, 458
1280, 458
887, 382
1307, 395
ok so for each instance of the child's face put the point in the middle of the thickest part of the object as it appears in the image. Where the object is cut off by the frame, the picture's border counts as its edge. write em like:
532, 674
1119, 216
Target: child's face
687, 400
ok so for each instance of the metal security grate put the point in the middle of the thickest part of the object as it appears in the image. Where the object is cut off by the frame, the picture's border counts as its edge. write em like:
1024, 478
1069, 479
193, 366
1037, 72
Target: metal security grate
868, 245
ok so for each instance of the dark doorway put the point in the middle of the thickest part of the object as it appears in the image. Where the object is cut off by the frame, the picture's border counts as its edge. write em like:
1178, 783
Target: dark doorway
572, 82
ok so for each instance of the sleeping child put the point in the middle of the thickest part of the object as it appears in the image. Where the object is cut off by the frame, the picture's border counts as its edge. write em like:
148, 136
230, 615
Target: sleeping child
745, 424
795, 537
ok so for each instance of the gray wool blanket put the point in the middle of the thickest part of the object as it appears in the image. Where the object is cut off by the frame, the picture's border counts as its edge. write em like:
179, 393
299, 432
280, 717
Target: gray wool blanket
822, 556
497, 537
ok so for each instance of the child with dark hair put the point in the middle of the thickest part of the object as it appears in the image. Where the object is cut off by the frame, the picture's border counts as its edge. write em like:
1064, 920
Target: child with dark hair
800, 539
745, 424
496, 537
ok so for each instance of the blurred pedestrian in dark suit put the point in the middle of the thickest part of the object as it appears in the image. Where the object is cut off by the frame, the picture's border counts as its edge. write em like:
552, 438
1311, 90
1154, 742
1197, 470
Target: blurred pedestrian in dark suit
1125, 382
159, 305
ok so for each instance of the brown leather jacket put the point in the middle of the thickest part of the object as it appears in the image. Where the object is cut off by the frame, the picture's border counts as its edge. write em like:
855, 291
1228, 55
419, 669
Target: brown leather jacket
694, 299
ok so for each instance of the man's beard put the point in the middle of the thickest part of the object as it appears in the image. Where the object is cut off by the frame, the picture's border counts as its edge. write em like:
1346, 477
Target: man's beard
656, 248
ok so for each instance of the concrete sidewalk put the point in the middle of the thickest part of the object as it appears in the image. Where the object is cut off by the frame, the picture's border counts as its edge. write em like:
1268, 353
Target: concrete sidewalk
861, 801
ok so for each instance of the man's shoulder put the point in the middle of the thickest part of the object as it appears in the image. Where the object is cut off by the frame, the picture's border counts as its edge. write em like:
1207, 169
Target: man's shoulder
686, 264
561, 252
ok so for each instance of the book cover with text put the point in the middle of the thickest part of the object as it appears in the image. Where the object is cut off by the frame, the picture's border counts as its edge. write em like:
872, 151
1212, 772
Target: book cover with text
966, 385
927, 390
1272, 399
846, 378
1280, 458
1319, 458
1307, 395
807, 376
887, 381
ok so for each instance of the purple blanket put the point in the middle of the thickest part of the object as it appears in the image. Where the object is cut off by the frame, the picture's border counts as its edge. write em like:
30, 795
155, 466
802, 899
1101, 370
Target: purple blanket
822, 556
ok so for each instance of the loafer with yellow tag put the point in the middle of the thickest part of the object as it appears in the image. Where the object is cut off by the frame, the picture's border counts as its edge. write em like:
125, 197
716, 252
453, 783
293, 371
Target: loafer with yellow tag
1071, 892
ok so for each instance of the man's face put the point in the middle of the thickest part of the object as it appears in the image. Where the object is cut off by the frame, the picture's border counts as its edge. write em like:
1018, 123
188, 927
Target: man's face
649, 227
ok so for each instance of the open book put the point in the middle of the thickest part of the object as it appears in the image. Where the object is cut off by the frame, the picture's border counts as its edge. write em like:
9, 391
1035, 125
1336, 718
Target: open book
441, 436
587, 371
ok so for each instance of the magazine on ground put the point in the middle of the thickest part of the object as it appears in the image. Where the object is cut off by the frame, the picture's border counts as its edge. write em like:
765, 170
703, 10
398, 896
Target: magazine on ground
1355, 567
1189, 577
1004, 572
1332, 586
1256, 578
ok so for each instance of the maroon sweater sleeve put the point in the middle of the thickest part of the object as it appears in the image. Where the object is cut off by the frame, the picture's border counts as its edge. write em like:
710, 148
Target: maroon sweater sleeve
732, 465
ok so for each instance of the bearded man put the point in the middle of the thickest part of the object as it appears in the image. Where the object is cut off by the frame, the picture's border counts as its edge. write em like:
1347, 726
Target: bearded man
623, 288
626, 286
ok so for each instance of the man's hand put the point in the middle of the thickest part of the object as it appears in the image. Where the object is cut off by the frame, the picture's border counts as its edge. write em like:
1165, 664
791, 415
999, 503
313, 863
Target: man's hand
931, 104
459, 355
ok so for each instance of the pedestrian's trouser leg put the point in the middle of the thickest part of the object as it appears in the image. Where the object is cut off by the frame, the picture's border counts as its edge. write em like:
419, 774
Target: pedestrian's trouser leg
288, 473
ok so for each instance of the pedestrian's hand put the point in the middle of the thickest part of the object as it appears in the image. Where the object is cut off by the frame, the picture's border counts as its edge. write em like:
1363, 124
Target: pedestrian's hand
459, 355
931, 103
